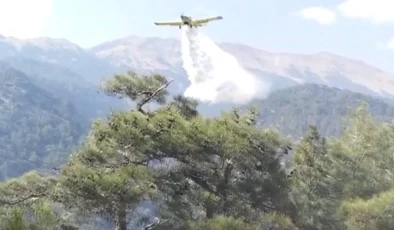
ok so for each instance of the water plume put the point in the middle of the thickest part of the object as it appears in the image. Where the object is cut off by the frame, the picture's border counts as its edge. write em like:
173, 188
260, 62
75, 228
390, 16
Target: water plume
216, 76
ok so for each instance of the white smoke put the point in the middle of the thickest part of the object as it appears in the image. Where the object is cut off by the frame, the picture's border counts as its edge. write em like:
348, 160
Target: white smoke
216, 76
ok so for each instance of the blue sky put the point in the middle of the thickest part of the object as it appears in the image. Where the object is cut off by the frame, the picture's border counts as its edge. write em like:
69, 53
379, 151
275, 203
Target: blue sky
359, 29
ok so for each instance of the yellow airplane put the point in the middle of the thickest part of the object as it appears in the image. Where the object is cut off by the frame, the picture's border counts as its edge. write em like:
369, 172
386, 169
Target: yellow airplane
186, 20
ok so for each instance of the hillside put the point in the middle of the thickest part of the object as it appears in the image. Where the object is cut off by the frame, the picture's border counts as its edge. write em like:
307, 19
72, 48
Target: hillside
229, 173
71, 74
160, 55
58, 51
292, 110
282, 69
46, 103
66, 85
36, 128
163, 56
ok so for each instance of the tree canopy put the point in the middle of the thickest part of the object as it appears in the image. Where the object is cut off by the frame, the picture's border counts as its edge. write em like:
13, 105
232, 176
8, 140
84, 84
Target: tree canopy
216, 173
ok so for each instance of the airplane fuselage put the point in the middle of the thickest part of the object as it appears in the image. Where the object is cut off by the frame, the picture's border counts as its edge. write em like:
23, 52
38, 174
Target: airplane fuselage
186, 20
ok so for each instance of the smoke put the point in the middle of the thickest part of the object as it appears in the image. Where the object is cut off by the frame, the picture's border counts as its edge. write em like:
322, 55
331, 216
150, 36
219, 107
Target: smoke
216, 76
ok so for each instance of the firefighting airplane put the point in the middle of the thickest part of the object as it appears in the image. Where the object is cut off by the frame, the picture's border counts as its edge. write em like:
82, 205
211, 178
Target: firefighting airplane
186, 20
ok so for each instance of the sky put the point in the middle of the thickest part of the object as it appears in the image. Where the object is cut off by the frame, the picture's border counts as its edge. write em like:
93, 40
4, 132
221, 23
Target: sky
359, 29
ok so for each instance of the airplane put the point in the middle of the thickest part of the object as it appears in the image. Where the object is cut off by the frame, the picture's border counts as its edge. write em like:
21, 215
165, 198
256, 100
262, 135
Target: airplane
186, 20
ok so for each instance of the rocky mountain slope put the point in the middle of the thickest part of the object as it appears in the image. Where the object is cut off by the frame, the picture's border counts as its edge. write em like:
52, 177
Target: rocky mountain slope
163, 56
283, 70
57, 51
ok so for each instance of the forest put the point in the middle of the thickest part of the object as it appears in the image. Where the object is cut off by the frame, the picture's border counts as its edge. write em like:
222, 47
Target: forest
172, 168
292, 110
36, 128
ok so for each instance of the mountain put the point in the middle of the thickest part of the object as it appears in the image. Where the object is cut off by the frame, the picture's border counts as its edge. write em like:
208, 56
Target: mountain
68, 85
60, 83
283, 70
64, 69
164, 56
70, 76
36, 129
59, 51
290, 111
142, 53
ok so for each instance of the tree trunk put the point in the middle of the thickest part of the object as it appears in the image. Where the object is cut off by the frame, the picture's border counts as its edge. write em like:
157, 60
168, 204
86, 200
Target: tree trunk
225, 185
120, 218
209, 212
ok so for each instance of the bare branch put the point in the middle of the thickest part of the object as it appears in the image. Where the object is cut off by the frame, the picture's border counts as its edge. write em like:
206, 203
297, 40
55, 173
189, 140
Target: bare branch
151, 96
360, 160
21, 200
162, 222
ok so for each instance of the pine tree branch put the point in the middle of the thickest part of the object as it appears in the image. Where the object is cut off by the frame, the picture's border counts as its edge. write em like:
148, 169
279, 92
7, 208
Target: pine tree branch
151, 96
21, 200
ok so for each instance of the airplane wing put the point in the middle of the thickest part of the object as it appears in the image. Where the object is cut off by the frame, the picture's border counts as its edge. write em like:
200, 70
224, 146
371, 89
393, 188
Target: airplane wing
168, 23
205, 20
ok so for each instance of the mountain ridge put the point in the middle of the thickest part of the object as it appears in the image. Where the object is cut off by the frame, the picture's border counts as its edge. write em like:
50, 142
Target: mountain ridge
281, 69
163, 55
62, 43
60, 51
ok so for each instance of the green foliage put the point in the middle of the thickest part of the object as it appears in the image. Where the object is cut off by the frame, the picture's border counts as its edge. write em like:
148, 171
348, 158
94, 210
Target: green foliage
140, 89
24, 203
212, 173
214, 155
291, 111
212, 158
276, 220
103, 190
343, 187
367, 146
36, 128
186, 106
222, 223
29, 187
372, 214
44, 216
313, 193
14, 220
39, 216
